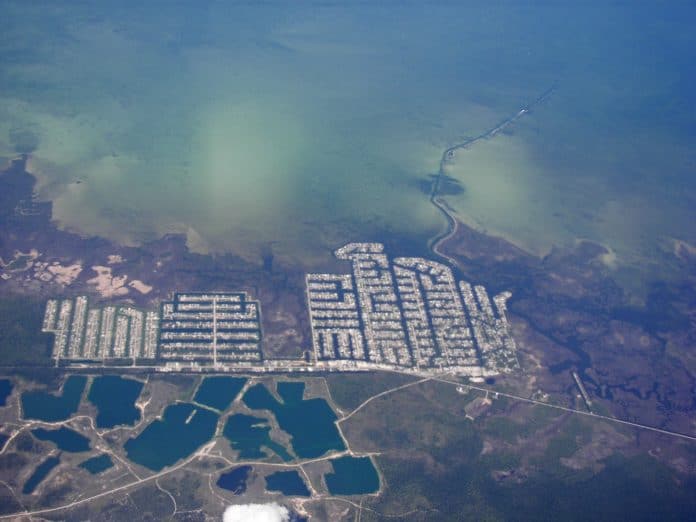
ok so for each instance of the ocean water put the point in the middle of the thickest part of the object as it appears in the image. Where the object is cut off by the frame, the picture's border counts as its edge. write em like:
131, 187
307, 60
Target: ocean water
298, 127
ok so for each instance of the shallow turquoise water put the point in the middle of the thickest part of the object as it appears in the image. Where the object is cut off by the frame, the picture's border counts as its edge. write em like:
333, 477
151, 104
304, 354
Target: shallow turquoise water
45, 406
219, 392
310, 423
352, 476
165, 441
249, 435
96, 465
115, 399
64, 438
296, 128
289, 483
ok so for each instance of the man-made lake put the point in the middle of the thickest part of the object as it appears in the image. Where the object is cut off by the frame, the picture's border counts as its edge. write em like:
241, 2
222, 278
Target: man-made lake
248, 435
234, 480
219, 392
115, 398
40, 473
45, 406
65, 438
289, 483
182, 429
352, 476
310, 423
96, 465
5, 391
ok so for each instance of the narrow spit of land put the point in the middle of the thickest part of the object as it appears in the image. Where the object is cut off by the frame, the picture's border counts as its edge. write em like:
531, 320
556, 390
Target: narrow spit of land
448, 154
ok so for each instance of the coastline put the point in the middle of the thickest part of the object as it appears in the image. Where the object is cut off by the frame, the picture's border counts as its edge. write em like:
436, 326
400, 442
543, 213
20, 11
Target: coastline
436, 198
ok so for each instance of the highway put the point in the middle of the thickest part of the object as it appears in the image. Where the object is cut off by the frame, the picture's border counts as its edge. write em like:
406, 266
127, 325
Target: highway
495, 394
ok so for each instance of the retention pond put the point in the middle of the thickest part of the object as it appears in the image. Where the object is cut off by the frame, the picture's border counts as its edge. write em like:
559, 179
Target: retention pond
115, 399
45, 406
310, 423
182, 429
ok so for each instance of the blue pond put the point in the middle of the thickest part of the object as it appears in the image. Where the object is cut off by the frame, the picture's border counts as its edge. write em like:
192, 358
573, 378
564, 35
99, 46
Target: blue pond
5, 390
115, 399
219, 392
248, 434
48, 407
234, 480
182, 429
352, 476
40, 473
289, 483
65, 438
310, 423
97, 464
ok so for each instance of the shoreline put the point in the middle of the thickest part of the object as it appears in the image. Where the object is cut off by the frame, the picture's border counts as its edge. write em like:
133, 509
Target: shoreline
437, 200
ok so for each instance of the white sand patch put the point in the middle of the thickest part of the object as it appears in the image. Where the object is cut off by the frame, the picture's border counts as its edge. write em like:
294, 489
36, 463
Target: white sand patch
32, 255
107, 284
114, 259
683, 249
29, 165
140, 286
41, 272
609, 259
64, 275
